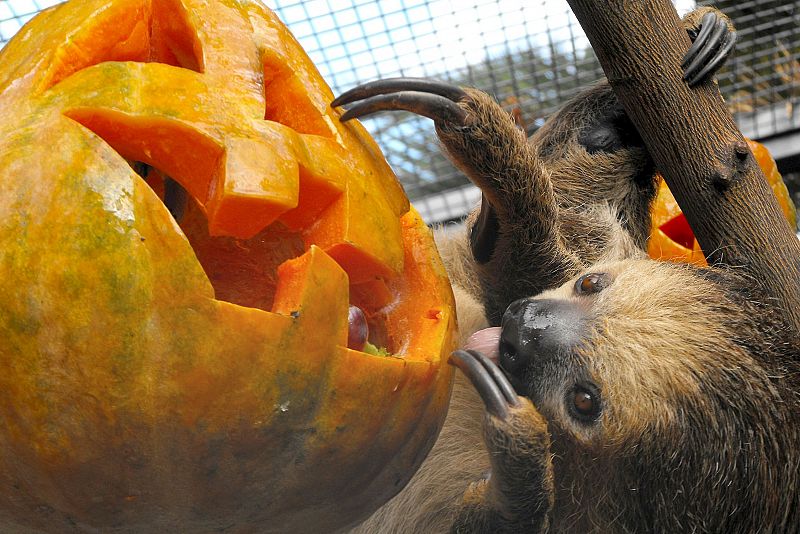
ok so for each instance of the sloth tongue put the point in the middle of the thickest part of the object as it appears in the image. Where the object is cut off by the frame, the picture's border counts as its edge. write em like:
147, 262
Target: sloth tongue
486, 341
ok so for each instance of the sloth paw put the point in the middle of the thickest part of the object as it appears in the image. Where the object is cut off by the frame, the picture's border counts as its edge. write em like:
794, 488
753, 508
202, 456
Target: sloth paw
515, 432
429, 98
711, 46
520, 490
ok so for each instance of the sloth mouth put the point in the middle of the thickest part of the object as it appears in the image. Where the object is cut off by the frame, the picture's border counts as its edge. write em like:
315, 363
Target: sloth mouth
486, 341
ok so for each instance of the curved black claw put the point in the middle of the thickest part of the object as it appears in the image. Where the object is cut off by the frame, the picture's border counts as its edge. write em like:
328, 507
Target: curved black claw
490, 382
395, 85
429, 98
709, 51
484, 233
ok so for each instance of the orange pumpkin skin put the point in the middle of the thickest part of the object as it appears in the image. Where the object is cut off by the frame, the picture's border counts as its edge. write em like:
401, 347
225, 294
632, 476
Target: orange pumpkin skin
671, 238
157, 378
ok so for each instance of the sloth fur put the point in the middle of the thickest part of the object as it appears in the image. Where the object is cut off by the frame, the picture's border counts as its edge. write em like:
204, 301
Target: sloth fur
699, 429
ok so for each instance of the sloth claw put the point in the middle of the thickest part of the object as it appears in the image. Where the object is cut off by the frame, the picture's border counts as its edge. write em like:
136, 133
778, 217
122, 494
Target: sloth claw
709, 50
434, 107
487, 378
394, 85
429, 98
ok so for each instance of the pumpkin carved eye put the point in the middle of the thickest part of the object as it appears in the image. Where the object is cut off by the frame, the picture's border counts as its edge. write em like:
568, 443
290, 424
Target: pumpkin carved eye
590, 284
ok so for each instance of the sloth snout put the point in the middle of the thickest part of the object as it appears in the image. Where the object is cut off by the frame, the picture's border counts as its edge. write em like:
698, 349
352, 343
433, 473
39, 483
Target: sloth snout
534, 330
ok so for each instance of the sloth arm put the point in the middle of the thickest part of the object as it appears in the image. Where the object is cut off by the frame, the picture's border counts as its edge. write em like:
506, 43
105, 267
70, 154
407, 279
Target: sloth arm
515, 239
515, 236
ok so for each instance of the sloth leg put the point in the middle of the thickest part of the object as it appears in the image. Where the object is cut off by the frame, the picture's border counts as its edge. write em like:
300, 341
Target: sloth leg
515, 238
519, 493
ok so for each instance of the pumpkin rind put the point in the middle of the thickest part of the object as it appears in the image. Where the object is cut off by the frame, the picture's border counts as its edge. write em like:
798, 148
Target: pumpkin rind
139, 392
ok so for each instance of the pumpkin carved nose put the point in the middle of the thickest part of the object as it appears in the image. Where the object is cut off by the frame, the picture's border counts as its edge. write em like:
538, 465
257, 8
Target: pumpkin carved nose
534, 330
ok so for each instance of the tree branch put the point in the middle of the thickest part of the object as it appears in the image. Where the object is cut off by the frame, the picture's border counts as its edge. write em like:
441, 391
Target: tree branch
695, 144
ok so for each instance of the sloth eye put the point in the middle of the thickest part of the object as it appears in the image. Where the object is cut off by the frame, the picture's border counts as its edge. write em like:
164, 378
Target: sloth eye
589, 284
584, 403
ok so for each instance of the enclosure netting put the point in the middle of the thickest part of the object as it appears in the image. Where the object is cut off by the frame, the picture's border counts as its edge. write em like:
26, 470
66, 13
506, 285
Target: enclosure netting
531, 55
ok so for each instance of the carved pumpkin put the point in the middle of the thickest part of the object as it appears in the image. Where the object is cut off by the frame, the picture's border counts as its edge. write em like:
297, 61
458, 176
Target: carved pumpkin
192, 373
671, 237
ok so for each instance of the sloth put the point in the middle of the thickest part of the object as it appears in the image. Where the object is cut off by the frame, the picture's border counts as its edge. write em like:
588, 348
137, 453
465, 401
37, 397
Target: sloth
612, 393
641, 396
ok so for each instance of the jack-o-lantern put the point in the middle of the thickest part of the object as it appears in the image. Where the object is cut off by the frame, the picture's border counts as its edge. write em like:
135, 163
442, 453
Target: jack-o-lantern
174, 351
671, 237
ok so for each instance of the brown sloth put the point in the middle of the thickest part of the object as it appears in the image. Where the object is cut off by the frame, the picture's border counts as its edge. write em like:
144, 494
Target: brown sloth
641, 397
638, 396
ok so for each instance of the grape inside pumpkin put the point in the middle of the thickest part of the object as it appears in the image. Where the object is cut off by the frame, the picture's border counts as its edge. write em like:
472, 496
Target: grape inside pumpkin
173, 341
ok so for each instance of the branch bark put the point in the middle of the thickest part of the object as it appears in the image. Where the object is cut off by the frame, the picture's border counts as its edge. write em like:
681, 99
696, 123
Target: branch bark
695, 143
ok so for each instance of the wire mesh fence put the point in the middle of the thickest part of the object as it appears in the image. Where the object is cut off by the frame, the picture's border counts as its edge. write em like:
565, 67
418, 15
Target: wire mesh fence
531, 55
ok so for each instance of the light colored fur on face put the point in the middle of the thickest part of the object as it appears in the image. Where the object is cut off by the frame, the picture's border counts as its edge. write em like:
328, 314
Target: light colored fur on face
650, 337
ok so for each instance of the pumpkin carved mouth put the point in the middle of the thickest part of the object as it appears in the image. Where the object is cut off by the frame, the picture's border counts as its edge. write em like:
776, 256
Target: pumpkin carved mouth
241, 271
245, 271
174, 351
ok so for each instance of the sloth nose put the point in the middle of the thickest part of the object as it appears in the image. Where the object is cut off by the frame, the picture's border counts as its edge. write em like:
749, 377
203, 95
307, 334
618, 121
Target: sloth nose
536, 329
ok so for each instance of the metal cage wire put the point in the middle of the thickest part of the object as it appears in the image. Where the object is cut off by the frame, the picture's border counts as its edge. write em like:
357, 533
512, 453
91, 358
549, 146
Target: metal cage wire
531, 55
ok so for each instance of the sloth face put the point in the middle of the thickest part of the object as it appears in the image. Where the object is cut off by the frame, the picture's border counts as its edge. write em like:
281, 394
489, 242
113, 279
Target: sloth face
618, 351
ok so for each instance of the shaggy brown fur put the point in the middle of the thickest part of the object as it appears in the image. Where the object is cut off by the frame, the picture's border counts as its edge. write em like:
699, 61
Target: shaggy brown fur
699, 428
699, 424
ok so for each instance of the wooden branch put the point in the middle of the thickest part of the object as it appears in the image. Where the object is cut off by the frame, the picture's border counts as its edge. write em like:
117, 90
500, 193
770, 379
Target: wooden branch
695, 144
